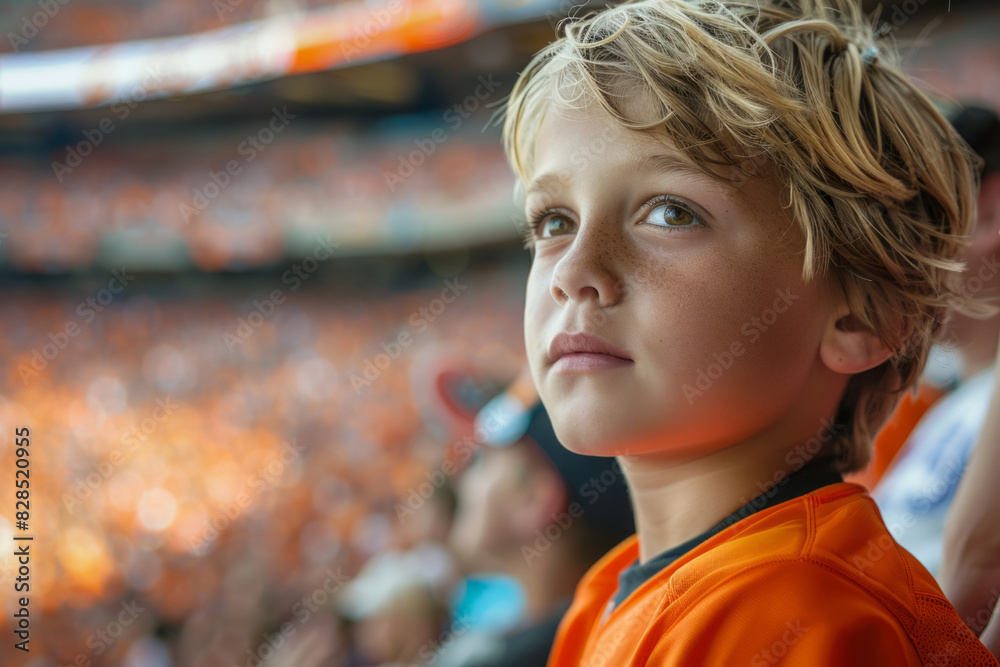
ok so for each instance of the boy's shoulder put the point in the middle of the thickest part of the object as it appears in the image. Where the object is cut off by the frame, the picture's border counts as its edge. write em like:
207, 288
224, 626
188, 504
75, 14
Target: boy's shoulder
833, 533
801, 577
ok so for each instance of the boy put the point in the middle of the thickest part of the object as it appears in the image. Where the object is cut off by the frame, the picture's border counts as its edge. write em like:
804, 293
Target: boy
745, 224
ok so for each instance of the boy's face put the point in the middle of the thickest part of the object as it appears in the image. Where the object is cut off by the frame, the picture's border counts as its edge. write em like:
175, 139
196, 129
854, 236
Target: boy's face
697, 280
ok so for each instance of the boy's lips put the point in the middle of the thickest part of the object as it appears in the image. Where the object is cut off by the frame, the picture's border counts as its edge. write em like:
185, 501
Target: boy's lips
583, 351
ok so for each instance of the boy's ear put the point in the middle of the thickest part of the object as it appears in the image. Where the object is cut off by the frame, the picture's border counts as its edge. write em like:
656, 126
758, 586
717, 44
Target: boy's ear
848, 347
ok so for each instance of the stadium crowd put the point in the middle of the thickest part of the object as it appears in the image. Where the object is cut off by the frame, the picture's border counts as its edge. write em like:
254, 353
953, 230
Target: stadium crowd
195, 496
311, 181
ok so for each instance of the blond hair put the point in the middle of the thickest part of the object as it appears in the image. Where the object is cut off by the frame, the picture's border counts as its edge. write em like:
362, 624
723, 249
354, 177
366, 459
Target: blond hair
880, 184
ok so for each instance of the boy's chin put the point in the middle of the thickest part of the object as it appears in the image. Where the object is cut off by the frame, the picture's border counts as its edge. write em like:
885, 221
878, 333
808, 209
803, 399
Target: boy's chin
594, 449
583, 438
624, 439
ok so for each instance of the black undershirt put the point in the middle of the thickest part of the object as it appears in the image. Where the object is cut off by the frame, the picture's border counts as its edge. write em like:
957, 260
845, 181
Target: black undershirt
817, 473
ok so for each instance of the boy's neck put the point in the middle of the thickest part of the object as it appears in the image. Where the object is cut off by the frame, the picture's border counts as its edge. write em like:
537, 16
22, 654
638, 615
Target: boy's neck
676, 500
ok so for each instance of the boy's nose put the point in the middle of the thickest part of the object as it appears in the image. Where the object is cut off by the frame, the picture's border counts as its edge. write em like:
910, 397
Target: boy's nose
588, 271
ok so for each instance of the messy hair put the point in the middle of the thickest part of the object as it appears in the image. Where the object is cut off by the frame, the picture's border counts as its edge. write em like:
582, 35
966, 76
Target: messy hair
881, 186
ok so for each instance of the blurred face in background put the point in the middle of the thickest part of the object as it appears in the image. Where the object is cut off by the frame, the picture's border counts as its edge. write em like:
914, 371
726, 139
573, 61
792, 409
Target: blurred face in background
431, 522
981, 255
504, 496
487, 490
972, 338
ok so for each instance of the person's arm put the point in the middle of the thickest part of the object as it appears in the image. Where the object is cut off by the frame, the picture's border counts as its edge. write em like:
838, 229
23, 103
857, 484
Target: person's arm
970, 567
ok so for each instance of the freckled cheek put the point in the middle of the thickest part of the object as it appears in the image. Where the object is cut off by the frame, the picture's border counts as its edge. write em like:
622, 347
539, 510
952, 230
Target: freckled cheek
695, 306
779, 319
706, 308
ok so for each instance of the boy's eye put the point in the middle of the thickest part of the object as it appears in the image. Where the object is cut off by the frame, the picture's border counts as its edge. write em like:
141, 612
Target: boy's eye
667, 213
672, 215
554, 225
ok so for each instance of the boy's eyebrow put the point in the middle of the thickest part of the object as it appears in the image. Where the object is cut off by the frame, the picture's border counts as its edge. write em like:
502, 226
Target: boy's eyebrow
657, 163
547, 183
664, 162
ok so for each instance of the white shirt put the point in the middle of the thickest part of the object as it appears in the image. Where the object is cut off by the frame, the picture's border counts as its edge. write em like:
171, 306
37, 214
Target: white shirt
916, 492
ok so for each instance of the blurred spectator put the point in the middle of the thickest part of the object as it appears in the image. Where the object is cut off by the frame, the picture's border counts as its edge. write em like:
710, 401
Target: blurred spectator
970, 569
397, 617
529, 508
318, 644
915, 493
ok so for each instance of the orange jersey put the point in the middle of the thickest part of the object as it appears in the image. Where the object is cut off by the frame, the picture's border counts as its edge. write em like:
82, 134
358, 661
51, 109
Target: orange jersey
813, 581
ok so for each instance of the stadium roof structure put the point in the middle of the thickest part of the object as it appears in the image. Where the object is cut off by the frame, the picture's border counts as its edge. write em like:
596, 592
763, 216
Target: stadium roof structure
348, 33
